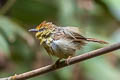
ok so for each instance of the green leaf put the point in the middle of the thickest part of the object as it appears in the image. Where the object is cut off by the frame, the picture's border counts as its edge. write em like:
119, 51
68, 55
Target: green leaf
10, 29
4, 45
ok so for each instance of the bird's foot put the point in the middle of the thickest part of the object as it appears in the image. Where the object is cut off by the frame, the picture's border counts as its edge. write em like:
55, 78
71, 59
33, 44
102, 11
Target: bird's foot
57, 63
68, 60
13, 77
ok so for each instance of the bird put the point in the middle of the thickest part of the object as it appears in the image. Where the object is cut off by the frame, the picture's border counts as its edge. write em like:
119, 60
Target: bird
62, 42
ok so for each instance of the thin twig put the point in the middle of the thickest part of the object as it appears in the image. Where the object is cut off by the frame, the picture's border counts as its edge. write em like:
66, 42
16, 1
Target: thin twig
62, 64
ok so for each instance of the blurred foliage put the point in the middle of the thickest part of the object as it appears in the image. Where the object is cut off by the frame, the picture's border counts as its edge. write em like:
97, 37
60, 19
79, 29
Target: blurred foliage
20, 52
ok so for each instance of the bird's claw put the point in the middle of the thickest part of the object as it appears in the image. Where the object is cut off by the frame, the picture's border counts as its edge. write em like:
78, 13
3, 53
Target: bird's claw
68, 60
13, 77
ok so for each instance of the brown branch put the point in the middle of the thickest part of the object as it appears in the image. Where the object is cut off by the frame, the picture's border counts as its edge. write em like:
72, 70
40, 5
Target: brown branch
62, 64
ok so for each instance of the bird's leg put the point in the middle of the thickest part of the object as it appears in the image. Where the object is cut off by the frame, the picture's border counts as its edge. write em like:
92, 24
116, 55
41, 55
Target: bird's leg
68, 59
57, 62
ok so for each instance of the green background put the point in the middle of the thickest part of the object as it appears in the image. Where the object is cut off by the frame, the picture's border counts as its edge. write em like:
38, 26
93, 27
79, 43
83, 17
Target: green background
20, 51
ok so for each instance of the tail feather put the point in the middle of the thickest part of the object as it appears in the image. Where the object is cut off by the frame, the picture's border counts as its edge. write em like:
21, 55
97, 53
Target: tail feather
96, 40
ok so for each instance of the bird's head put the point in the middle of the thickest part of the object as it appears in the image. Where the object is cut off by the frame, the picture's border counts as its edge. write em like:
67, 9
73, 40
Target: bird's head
43, 29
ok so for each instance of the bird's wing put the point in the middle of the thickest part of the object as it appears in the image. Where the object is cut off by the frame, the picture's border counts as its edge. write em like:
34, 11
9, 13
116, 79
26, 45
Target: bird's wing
73, 32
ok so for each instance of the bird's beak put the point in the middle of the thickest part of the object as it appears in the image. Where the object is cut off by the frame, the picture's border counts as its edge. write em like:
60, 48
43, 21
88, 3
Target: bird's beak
33, 30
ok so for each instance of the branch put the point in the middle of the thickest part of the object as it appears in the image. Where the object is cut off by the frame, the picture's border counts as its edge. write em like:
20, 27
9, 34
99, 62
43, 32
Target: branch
62, 64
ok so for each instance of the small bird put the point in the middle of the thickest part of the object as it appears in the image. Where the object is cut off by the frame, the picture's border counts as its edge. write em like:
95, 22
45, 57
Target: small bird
61, 42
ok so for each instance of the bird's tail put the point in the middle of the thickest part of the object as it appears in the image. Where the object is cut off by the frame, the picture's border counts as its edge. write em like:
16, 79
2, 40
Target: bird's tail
96, 40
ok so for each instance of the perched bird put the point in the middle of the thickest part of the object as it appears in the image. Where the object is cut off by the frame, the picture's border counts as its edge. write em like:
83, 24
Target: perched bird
61, 42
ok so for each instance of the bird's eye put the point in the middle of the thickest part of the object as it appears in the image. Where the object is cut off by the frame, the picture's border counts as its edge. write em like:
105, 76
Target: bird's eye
42, 29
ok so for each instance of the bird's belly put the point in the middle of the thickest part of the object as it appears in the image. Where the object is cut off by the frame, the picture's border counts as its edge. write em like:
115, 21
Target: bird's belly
62, 49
